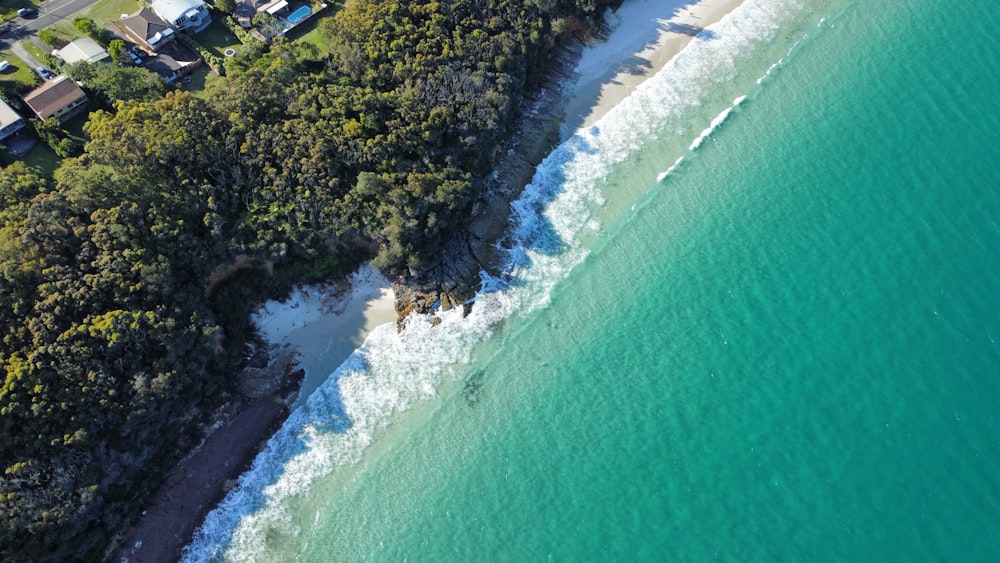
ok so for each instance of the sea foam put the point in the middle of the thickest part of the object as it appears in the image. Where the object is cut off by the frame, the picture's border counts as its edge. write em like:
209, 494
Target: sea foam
394, 370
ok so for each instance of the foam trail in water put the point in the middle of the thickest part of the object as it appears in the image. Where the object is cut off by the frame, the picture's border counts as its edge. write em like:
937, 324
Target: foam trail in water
663, 175
700, 139
392, 371
716, 123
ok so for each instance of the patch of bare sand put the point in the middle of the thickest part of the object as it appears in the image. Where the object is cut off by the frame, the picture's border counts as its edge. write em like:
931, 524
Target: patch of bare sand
645, 35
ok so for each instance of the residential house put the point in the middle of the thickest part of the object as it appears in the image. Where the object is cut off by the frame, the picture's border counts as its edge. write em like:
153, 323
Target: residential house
60, 98
173, 63
190, 16
83, 49
148, 30
10, 121
274, 7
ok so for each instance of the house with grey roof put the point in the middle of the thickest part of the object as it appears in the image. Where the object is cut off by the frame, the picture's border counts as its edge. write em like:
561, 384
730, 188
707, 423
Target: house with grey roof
173, 63
147, 30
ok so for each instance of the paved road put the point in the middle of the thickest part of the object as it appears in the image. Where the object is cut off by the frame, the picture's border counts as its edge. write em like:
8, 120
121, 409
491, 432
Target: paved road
52, 12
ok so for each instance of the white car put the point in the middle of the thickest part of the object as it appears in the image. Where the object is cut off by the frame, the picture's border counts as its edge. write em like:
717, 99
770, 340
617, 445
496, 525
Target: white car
4, 65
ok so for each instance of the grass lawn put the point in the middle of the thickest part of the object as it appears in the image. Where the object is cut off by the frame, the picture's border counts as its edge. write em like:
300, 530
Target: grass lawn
36, 51
217, 37
309, 32
111, 10
19, 73
40, 156
102, 12
200, 82
44, 158
75, 126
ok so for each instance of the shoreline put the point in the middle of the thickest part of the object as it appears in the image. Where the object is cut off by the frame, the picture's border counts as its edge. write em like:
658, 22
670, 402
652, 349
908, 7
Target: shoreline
298, 336
585, 82
324, 324
644, 36
301, 340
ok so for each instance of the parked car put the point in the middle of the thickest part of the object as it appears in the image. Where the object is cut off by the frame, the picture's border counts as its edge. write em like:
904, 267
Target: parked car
135, 58
4, 65
45, 73
135, 50
27, 12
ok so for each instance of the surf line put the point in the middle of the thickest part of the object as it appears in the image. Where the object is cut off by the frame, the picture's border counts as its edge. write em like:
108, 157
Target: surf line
712, 127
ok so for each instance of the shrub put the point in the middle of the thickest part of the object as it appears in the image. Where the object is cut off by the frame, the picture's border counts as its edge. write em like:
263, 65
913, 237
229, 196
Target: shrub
227, 6
210, 58
51, 38
240, 33
87, 27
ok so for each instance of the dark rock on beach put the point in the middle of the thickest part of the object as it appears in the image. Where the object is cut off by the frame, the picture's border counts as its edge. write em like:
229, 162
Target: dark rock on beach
455, 279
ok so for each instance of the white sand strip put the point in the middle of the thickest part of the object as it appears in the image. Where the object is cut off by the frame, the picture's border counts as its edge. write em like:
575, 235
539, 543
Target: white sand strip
645, 35
325, 327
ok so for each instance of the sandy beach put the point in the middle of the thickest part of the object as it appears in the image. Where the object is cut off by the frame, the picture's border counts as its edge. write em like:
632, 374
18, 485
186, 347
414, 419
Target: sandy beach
314, 330
645, 35
322, 325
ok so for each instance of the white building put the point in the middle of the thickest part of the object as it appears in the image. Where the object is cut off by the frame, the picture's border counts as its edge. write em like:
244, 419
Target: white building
10, 121
84, 49
190, 16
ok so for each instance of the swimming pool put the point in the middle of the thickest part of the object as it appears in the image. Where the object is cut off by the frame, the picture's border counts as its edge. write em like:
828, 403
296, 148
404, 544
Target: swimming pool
300, 13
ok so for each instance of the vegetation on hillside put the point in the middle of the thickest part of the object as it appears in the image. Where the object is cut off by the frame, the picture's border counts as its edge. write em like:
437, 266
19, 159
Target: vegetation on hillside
115, 327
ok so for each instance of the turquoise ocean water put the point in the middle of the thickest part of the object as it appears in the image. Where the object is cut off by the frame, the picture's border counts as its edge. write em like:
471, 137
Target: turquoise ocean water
786, 348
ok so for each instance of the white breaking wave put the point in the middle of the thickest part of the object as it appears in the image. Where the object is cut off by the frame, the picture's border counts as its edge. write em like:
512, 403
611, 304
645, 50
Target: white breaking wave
716, 123
392, 371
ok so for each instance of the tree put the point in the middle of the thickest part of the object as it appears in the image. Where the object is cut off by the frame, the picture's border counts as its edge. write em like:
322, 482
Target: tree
87, 27
51, 38
117, 51
115, 323
51, 131
226, 6
118, 82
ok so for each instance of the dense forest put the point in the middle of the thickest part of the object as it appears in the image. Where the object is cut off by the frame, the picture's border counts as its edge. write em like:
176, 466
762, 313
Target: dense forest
127, 280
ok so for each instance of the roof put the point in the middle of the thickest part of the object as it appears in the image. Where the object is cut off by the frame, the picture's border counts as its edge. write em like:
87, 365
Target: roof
7, 114
83, 49
273, 7
170, 10
147, 26
169, 65
53, 96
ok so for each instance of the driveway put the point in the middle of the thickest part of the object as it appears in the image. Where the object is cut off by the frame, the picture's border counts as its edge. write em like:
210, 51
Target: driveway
25, 56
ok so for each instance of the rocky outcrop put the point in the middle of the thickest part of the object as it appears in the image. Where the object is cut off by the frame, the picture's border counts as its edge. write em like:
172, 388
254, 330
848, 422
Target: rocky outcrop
455, 279
278, 374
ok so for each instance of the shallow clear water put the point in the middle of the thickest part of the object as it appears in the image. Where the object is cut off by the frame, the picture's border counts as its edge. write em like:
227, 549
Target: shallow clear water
788, 348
